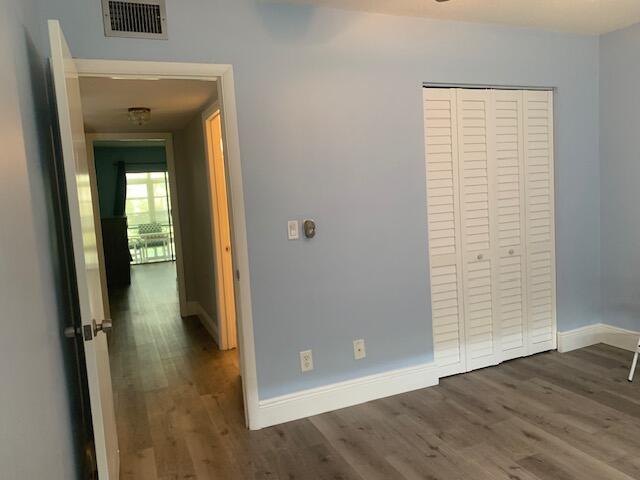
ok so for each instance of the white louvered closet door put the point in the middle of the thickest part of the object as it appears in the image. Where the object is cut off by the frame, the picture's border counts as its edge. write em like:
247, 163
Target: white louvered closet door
477, 201
490, 212
509, 218
540, 234
443, 221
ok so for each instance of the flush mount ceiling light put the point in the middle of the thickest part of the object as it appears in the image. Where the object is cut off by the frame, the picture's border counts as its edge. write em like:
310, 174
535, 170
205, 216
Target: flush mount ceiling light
139, 115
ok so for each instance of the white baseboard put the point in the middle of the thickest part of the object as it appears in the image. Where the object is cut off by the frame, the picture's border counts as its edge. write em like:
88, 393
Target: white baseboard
598, 333
314, 401
580, 337
620, 337
195, 308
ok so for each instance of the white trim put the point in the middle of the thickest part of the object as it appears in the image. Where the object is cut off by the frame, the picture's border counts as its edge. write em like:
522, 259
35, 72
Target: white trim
97, 220
598, 333
167, 143
196, 309
223, 74
314, 401
619, 337
578, 338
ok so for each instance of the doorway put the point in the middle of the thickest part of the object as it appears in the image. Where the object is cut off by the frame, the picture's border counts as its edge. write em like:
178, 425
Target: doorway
162, 211
164, 235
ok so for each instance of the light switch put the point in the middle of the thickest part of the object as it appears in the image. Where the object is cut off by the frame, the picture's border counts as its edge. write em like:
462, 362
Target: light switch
292, 229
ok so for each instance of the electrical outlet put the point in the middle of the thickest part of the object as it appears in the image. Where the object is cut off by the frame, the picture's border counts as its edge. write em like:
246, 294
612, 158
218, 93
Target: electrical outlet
359, 351
306, 361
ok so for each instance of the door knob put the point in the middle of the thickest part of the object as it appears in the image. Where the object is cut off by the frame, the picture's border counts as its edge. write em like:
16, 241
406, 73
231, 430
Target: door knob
511, 252
105, 326
480, 256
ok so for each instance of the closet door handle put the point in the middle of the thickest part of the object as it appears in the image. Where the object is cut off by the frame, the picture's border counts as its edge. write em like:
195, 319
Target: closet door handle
480, 256
511, 252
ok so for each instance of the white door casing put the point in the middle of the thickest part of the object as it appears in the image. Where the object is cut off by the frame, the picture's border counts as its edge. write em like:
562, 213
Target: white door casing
84, 241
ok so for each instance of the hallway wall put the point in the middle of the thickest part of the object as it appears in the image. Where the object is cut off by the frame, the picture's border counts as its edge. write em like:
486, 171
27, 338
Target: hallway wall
195, 217
38, 410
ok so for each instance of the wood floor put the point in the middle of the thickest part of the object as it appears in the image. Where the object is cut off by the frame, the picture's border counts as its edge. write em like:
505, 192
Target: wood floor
179, 410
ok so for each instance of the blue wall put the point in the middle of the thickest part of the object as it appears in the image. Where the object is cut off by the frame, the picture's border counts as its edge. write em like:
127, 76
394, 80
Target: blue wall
135, 158
331, 127
40, 417
620, 176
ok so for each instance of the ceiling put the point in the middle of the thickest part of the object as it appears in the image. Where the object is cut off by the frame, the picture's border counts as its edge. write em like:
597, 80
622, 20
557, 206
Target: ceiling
579, 16
173, 103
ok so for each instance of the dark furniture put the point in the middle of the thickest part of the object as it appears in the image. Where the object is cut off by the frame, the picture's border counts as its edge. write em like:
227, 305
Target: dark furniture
117, 258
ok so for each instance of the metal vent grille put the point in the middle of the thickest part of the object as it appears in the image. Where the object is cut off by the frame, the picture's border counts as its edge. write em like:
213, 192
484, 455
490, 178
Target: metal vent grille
137, 19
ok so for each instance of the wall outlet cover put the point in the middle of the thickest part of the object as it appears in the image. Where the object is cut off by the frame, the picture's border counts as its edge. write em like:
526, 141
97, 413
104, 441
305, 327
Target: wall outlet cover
306, 361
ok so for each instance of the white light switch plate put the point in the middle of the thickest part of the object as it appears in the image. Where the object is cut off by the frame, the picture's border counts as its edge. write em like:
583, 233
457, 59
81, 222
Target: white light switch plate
292, 230
306, 361
359, 351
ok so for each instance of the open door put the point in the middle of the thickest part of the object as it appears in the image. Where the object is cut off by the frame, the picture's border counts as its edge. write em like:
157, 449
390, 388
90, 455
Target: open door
85, 253
226, 303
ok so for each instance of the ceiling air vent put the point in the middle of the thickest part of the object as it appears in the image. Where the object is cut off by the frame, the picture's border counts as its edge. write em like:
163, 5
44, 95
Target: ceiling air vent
136, 19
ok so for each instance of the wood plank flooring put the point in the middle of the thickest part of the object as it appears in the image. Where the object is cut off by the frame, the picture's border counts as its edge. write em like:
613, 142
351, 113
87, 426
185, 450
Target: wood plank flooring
179, 411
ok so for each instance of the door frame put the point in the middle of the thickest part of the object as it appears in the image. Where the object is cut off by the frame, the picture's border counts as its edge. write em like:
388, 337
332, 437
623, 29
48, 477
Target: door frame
227, 330
223, 74
167, 142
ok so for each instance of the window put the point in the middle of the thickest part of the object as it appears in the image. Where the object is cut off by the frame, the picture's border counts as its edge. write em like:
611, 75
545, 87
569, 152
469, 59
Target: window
148, 216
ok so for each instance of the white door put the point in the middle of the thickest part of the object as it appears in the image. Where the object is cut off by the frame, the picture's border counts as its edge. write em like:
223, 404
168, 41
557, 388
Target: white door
83, 233
441, 144
541, 275
477, 202
221, 231
509, 220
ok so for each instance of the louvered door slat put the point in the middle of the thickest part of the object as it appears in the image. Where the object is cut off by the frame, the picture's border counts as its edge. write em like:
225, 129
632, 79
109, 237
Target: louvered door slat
510, 222
477, 198
540, 234
444, 226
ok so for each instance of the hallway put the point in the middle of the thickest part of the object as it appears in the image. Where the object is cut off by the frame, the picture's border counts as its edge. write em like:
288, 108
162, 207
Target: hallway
177, 397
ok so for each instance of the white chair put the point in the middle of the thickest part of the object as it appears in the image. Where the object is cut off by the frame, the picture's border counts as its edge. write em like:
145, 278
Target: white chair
635, 362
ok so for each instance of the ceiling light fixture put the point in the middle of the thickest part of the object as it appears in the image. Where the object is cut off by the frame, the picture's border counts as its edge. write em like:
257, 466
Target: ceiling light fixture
139, 115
